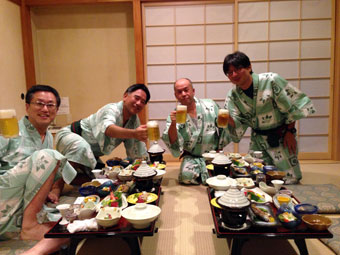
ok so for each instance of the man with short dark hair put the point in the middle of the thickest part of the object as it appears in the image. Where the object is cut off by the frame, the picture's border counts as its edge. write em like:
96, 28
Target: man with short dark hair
31, 171
84, 141
269, 105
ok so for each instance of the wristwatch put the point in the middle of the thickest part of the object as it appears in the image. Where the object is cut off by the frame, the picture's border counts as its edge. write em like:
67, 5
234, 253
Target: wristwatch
292, 130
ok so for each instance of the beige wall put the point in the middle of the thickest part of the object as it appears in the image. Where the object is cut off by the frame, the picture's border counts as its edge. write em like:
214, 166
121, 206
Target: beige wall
87, 53
12, 73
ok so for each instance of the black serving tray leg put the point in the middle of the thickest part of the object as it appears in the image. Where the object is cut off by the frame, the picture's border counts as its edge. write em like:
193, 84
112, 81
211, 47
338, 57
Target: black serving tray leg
134, 245
236, 246
301, 244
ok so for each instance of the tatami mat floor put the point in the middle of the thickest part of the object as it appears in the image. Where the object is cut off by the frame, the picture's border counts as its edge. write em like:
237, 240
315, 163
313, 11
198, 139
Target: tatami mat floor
185, 224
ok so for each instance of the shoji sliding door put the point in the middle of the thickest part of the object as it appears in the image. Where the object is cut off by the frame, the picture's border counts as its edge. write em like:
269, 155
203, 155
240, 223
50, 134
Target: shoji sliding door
292, 38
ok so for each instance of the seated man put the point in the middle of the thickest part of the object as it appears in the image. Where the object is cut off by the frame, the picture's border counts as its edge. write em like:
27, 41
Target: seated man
31, 171
84, 141
199, 134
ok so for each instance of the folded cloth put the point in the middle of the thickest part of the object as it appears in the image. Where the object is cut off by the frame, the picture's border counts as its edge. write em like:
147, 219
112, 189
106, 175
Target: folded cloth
83, 225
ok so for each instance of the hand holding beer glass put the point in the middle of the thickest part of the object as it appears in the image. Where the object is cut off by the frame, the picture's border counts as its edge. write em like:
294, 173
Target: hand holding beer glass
8, 123
181, 114
153, 130
222, 119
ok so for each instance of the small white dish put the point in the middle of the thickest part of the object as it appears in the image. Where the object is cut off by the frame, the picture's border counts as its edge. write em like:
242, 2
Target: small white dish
108, 216
277, 184
97, 173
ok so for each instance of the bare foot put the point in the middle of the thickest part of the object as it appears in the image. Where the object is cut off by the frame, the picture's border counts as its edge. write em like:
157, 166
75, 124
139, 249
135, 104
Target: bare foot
37, 232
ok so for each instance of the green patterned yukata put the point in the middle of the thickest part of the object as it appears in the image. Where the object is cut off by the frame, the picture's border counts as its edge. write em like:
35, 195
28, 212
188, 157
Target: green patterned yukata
196, 136
93, 142
26, 163
275, 102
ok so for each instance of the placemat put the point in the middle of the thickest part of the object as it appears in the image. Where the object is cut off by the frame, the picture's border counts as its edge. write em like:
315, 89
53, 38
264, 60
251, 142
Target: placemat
334, 243
325, 196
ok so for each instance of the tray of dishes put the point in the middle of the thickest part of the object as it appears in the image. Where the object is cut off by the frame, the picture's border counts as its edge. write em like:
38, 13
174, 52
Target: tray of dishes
262, 215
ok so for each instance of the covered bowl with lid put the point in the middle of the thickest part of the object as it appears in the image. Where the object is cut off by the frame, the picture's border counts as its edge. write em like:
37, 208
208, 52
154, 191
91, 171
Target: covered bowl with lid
143, 176
220, 182
221, 164
141, 215
156, 152
234, 205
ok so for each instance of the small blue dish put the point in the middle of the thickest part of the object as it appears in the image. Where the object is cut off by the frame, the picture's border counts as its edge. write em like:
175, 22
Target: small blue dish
87, 191
306, 209
269, 168
288, 224
104, 189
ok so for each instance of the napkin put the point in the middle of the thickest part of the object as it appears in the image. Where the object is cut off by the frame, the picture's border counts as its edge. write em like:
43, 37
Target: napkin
83, 225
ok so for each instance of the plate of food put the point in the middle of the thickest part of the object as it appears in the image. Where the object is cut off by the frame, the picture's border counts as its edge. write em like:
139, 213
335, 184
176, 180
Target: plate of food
239, 171
115, 199
245, 183
142, 197
262, 215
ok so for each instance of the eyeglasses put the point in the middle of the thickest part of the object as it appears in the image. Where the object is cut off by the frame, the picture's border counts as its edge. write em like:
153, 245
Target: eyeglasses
40, 105
237, 71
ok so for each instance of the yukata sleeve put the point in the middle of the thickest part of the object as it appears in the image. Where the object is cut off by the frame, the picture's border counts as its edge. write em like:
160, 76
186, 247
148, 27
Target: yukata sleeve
4, 142
105, 117
135, 148
234, 133
176, 147
291, 101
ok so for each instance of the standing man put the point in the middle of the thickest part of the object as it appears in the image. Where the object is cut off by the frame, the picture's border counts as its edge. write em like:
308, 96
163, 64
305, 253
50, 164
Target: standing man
196, 136
31, 172
269, 105
84, 141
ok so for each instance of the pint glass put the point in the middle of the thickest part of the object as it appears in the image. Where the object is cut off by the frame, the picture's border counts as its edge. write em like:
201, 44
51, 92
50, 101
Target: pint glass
222, 119
181, 114
8, 123
153, 130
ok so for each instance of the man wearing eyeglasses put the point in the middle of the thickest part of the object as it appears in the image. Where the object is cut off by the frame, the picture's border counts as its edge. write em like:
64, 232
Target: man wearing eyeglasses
84, 141
31, 172
269, 105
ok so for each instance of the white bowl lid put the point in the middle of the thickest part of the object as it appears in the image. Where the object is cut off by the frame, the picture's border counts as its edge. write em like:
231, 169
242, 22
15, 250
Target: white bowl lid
144, 170
141, 211
233, 198
221, 159
156, 148
220, 181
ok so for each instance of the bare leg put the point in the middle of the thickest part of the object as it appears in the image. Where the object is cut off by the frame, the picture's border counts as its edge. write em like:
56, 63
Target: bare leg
46, 246
31, 229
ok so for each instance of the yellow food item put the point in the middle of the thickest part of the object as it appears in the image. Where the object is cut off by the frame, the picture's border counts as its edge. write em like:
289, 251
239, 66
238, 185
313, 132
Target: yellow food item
259, 165
283, 200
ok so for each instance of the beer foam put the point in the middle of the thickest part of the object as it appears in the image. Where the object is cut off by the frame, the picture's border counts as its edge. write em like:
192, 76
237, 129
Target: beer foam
223, 111
181, 107
7, 114
152, 123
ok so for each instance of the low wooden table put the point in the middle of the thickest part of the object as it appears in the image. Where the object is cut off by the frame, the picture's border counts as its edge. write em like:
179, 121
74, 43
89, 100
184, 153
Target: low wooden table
238, 238
123, 230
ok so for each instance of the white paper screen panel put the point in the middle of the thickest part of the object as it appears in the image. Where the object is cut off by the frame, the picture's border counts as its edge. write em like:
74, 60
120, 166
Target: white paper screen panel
161, 73
314, 88
218, 90
313, 144
219, 13
160, 35
255, 51
316, 9
253, 11
219, 33
216, 53
193, 72
161, 91
316, 29
215, 72
315, 68
284, 30
316, 49
253, 32
190, 14
189, 34
159, 15
280, 10
313, 126
321, 106
190, 54
287, 69
161, 55
160, 110
284, 50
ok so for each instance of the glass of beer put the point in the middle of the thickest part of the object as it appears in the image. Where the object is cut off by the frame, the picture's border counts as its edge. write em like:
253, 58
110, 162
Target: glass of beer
8, 123
153, 130
181, 114
222, 119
